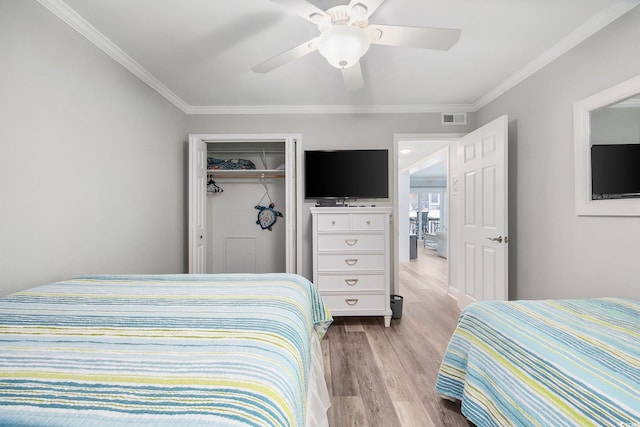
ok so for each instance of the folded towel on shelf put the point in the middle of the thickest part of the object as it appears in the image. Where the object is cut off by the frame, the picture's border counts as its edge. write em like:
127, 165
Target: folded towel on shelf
214, 163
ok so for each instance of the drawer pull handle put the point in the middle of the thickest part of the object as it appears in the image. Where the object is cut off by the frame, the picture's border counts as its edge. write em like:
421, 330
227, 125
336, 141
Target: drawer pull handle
368, 222
333, 223
351, 301
351, 261
351, 282
351, 242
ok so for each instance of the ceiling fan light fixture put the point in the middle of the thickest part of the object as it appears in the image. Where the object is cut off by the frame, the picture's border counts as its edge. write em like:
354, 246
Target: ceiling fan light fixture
319, 18
374, 34
359, 10
343, 45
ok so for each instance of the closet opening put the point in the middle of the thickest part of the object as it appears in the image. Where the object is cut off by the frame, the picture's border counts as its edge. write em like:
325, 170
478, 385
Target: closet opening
242, 204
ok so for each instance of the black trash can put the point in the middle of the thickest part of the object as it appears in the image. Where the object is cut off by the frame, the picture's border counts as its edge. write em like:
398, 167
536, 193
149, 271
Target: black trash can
413, 246
396, 306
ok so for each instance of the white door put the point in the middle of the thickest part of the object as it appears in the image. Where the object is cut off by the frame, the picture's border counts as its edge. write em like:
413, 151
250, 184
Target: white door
482, 157
197, 205
291, 209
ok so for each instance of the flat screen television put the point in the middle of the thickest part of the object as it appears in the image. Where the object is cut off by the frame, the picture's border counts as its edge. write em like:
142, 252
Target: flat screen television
615, 171
346, 174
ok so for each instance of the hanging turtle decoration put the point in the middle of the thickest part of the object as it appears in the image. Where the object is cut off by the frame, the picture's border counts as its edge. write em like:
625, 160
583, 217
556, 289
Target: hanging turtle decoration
267, 216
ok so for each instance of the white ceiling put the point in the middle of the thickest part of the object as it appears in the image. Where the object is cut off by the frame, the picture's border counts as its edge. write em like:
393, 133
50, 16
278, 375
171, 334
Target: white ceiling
434, 172
424, 160
199, 53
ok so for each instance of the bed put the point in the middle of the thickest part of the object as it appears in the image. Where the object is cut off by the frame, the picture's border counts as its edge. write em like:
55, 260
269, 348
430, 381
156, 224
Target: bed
160, 350
546, 363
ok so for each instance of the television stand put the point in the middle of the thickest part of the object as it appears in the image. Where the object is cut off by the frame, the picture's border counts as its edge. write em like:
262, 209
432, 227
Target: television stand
351, 260
333, 203
327, 203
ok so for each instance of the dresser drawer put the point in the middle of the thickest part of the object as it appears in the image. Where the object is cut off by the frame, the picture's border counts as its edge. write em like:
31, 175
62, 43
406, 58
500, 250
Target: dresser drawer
367, 221
350, 282
350, 262
333, 222
355, 302
351, 242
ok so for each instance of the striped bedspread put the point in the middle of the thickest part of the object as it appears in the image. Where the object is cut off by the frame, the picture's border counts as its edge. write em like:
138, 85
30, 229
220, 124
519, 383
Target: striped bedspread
179, 350
546, 363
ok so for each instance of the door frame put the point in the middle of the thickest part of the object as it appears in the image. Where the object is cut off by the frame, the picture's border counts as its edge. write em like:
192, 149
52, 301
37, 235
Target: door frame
293, 208
439, 141
457, 287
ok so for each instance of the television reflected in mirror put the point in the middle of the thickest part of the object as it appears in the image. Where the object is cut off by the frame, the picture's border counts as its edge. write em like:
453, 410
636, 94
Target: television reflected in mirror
607, 151
615, 171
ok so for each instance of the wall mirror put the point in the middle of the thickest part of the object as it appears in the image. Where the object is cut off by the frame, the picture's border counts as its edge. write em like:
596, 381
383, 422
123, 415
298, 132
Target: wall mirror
607, 151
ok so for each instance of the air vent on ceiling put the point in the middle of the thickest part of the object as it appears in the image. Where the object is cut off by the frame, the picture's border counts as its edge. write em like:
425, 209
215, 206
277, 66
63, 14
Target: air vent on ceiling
454, 118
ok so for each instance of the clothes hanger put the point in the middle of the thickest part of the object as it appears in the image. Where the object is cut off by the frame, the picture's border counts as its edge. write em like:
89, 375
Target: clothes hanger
212, 187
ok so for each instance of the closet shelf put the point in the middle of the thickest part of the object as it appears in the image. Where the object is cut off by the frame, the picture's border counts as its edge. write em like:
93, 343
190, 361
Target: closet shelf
239, 150
246, 173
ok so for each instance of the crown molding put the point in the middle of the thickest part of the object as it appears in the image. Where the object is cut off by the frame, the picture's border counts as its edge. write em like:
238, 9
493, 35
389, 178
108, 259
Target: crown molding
580, 34
78, 23
595, 24
330, 109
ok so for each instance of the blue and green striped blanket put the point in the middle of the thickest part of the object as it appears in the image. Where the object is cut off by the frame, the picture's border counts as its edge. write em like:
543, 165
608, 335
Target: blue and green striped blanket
546, 363
188, 350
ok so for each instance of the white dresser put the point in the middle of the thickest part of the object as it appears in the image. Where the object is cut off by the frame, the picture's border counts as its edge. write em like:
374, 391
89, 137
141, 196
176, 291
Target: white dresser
351, 260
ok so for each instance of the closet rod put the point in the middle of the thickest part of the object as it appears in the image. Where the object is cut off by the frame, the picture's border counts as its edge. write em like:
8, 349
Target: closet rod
246, 173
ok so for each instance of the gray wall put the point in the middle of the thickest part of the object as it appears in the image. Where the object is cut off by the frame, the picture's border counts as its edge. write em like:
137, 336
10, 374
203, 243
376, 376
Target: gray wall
330, 131
554, 253
92, 161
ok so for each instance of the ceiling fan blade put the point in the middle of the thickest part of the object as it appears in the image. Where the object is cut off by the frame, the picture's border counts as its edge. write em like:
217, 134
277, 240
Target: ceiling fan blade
352, 77
305, 9
285, 57
365, 8
420, 37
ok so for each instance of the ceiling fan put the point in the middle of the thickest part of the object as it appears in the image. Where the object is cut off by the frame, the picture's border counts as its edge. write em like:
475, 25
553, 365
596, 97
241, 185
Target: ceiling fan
345, 36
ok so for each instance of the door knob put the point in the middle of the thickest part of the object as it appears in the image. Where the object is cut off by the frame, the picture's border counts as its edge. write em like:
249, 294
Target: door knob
495, 239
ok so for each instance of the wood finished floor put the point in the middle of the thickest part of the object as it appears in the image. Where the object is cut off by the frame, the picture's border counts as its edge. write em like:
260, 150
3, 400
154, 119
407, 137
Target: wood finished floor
385, 377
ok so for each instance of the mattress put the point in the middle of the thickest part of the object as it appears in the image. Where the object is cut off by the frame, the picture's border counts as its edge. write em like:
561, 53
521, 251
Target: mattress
224, 350
546, 363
